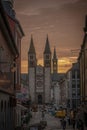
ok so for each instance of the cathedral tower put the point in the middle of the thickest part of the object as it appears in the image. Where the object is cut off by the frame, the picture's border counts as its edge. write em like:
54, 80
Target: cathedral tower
55, 63
47, 71
32, 62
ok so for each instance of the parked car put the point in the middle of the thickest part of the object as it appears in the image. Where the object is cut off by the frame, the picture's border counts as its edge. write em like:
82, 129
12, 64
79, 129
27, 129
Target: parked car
60, 113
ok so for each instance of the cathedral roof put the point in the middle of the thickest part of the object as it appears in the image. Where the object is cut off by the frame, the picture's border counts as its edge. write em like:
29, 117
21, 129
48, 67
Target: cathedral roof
57, 76
47, 47
32, 48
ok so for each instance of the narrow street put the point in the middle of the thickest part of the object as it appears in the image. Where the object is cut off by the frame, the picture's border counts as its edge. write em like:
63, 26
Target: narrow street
52, 122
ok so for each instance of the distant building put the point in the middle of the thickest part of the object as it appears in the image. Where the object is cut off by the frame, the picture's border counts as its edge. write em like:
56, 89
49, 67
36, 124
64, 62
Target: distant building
56, 88
39, 76
55, 80
83, 65
73, 82
43, 80
63, 91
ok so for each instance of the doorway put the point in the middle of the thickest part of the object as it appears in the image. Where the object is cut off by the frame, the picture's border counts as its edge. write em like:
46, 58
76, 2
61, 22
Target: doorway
40, 99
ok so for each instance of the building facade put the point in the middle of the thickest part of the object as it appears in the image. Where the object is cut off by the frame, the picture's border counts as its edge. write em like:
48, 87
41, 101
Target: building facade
63, 92
10, 65
8, 54
73, 82
39, 76
83, 65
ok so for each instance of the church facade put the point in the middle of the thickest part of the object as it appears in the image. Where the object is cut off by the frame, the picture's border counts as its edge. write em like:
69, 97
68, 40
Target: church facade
40, 76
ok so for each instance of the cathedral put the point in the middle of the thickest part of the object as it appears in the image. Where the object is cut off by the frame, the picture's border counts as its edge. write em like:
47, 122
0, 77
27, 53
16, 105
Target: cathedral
40, 76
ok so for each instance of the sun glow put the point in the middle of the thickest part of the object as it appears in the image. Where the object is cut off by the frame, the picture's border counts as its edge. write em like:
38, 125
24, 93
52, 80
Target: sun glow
64, 64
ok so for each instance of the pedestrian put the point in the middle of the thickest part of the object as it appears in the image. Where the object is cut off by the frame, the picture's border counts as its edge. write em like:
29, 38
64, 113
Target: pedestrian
73, 123
80, 125
68, 120
43, 115
63, 122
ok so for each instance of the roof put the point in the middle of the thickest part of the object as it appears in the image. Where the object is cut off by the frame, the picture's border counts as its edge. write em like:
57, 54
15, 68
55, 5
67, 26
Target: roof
57, 76
7, 31
75, 66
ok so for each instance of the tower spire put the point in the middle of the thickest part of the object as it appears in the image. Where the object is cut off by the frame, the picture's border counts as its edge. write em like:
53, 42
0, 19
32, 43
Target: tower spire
55, 62
54, 55
47, 46
32, 61
32, 48
85, 28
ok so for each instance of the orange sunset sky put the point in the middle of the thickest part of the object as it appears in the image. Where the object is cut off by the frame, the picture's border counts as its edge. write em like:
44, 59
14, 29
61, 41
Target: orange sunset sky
62, 20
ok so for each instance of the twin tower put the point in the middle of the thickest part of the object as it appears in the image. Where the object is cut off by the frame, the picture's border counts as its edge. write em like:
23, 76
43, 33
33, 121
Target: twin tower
40, 76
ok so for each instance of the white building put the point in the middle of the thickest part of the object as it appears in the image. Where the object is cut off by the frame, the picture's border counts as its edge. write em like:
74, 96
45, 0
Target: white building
55, 79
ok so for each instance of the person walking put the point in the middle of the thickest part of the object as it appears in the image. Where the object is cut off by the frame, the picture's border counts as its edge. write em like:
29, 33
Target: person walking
68, 120
80, 125
43, 115
73, 123
63, 123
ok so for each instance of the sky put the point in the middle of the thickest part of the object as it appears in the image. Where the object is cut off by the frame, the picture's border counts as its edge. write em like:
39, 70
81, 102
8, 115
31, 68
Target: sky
62, 20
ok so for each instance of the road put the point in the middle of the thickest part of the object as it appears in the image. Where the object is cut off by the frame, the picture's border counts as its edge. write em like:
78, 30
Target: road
52, 122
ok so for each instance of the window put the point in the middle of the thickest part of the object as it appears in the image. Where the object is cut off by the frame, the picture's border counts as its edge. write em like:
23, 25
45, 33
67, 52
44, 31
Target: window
73, 91
47, 63
1, 106
73, 95
78, 74
47, 57
73, 74
32, 63
78, 92
31, 57
54, 63
78, 85
73, 84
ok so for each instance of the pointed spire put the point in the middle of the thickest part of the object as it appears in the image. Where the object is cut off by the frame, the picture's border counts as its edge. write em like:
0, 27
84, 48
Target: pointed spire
86, 21
54, 56
32, 48
47, 47
85, 28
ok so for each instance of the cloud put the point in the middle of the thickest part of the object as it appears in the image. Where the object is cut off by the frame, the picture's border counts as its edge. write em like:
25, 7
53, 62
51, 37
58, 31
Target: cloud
28, 12
62, 20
